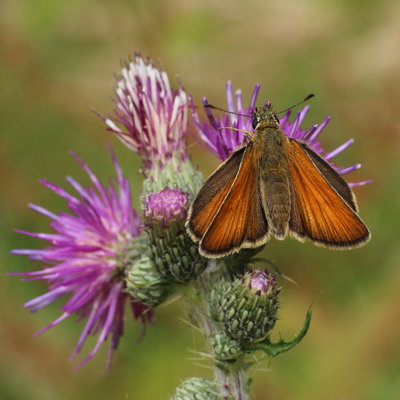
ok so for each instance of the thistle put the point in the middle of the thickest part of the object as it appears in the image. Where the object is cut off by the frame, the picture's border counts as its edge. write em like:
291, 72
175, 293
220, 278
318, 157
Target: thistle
151, 119
196, 389
247, 306
145, 283
174, 254
225, 347
88, 253
104, 255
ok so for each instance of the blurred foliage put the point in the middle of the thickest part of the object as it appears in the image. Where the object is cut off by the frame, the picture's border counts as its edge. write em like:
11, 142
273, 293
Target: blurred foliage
56, 63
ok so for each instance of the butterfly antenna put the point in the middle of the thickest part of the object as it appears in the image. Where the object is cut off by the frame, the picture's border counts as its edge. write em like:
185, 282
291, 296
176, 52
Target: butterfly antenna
226, 111
302, 101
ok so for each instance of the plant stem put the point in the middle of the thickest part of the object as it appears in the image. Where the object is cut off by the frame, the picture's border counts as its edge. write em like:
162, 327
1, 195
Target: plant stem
233, 381
231, 377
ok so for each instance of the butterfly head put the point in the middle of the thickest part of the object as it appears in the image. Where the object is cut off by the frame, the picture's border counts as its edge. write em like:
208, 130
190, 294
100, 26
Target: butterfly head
265, 118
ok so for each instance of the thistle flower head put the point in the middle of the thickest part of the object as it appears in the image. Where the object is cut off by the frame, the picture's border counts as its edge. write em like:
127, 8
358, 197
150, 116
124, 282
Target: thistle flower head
175, 256
86, 258
166, 206
246, 307
261, 282
149, 117
216, 136
145, 283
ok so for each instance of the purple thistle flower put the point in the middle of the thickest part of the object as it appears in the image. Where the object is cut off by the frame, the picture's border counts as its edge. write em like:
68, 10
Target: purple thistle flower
174, 254
149, 117
214, 134
86, 256
166, 207
216, 137
262, 282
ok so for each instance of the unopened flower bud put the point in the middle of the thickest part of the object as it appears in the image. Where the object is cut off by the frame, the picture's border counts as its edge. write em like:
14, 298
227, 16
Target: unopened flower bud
246, 307
225, 347
196, 389
172, 251
166, 209
145, 283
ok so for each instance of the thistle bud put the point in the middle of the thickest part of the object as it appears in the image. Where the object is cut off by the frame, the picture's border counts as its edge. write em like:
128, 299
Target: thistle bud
246, 307
196, 389
145, 283
225, 347
166, 209
173, 252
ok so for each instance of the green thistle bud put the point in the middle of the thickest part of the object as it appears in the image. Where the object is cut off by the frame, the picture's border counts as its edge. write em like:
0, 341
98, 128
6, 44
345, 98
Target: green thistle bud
225, 348
246, 307
196, 389
175, 255
145, 283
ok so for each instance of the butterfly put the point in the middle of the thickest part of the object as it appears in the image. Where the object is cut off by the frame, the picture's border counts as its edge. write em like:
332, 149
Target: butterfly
274, 186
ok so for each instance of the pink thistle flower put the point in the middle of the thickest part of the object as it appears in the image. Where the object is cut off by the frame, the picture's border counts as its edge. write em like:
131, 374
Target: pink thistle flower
167, 206
149, 117
86, 258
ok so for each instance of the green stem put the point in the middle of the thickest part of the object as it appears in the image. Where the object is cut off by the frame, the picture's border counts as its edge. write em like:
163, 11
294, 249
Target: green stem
232, 380
231, 377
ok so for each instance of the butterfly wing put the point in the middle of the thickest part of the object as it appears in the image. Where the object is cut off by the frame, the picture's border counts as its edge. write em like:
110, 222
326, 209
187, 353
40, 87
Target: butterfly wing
211, 196
322, 207
334, 179
239, 221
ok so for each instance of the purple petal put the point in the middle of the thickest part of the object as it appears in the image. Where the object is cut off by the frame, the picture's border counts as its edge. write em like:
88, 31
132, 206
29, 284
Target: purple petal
81, 260
338, 150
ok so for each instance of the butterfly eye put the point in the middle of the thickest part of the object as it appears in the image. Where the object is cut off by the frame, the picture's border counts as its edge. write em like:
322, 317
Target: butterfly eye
255, 122
276, 117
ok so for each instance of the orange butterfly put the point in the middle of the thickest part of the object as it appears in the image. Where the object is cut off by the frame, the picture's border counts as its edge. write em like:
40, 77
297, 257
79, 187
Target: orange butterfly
276, 186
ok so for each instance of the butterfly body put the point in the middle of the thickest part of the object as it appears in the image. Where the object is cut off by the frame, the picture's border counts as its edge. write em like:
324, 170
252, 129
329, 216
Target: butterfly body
273, 179
276, 186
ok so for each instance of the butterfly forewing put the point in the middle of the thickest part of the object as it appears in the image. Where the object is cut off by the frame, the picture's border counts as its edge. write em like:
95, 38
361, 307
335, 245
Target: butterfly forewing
318, 211
212, 195
333, 178
240, 221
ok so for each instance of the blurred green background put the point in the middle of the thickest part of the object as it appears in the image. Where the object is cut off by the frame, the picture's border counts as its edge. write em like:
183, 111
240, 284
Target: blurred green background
56, 63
